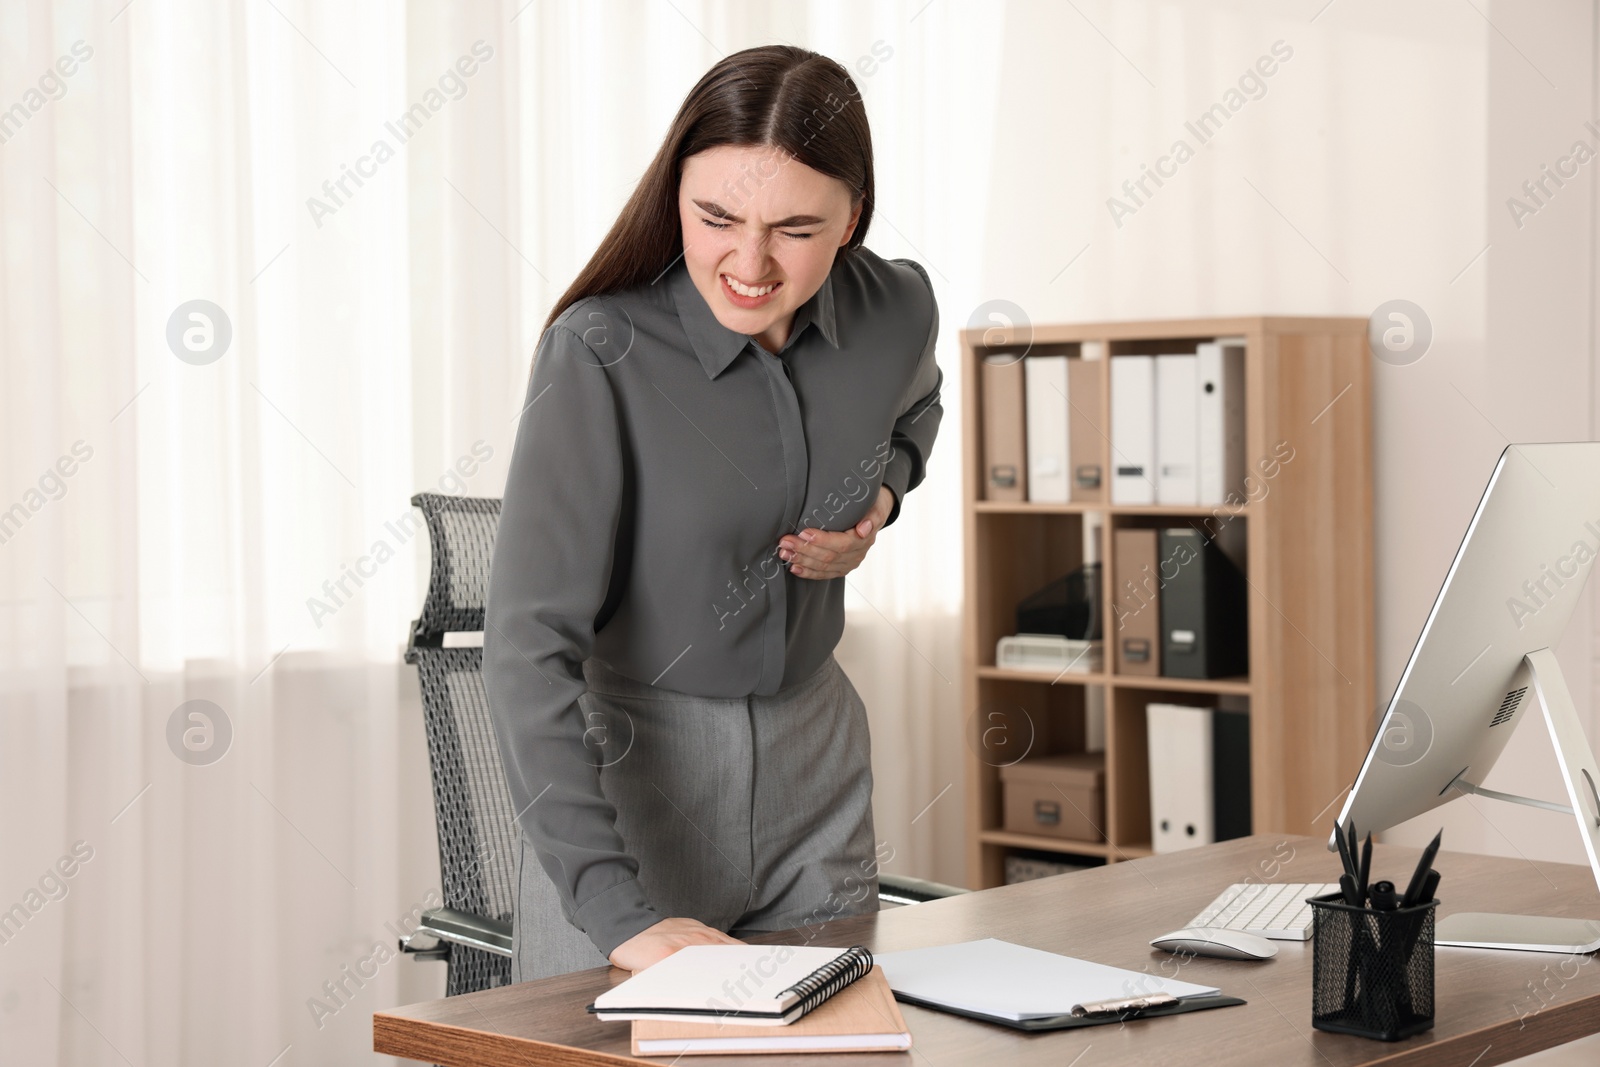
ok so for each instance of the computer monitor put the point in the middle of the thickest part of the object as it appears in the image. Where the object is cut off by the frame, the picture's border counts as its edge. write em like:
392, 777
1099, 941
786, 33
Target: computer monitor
1484, 658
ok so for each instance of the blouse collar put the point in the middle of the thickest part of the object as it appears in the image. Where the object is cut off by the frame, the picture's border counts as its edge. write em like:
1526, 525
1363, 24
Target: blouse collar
716, 345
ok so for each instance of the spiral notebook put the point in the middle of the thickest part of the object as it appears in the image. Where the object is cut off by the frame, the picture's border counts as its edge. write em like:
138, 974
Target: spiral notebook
766, 985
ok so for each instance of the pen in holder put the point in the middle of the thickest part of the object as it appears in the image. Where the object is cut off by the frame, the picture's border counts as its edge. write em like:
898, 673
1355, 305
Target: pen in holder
1372, 970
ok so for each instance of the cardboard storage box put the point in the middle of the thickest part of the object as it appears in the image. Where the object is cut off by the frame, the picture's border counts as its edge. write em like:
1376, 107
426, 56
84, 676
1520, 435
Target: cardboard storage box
1026, 868
1056, 796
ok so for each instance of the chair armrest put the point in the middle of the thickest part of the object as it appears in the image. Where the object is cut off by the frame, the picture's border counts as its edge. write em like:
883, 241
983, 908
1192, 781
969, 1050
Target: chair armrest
459, 928
900, 889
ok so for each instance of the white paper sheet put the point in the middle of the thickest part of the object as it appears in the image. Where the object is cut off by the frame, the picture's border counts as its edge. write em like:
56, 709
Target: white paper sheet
1015, 982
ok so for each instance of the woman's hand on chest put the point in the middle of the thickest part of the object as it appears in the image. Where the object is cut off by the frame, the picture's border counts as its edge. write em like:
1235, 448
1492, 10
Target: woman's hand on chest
821, 554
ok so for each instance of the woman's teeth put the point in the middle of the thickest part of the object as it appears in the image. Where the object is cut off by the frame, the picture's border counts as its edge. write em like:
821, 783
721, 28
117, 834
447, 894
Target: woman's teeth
745, 290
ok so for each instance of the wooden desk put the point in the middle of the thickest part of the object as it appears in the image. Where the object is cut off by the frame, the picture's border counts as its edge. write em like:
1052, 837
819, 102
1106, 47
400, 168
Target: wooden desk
1487, 1007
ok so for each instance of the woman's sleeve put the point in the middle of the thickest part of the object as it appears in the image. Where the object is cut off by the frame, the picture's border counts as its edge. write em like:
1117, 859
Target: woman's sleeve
552, 566
918, 424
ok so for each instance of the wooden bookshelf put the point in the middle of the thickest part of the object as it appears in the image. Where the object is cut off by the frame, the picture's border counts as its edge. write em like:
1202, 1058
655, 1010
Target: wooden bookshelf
1308, 542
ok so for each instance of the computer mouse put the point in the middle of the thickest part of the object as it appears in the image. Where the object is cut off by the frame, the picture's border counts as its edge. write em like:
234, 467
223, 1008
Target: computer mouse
1223, 944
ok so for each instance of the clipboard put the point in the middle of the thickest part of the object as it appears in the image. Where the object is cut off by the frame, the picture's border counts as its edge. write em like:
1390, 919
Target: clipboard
1026, 988
1073, 1022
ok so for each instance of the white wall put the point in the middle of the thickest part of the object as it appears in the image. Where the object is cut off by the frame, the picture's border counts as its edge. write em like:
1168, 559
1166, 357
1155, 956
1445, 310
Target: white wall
1533, 381
1375, 166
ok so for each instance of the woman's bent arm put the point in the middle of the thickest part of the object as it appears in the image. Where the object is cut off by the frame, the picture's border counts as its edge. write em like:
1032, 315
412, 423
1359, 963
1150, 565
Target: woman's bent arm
552, 568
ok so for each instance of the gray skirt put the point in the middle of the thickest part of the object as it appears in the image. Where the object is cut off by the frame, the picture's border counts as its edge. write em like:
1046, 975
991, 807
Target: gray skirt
746, 813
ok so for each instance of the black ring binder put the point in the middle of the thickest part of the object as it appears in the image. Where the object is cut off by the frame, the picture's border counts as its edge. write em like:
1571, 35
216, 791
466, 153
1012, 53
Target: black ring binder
828, 979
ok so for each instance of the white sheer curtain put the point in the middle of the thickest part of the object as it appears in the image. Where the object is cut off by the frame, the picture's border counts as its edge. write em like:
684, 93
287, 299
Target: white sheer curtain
198, 541
379, 202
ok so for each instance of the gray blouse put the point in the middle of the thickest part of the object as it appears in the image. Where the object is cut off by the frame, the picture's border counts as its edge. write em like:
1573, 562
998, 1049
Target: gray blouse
660, 457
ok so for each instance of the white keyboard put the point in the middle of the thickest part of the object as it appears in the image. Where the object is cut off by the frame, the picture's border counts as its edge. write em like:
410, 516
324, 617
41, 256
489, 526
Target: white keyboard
1278, 911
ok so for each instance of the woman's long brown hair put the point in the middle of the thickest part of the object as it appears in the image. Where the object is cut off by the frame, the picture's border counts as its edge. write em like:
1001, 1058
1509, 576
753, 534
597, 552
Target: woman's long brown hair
776, 95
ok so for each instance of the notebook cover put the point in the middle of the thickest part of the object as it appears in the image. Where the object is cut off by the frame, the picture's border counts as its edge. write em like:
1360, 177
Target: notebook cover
866, 1006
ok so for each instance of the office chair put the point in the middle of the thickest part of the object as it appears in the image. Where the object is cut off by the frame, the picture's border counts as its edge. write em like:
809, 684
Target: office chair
472, 807
472, 930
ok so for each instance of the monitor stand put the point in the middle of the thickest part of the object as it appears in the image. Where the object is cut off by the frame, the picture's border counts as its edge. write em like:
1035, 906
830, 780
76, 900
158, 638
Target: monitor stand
1536, 933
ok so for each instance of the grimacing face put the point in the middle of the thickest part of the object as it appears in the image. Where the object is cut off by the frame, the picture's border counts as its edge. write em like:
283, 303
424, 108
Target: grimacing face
760, 231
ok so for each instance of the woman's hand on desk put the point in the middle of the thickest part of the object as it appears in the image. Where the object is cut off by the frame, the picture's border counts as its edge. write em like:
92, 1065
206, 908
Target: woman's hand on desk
655, 943
820, 554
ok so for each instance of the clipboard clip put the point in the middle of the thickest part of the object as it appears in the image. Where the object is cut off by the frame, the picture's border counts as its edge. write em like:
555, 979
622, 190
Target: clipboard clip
1127, 1007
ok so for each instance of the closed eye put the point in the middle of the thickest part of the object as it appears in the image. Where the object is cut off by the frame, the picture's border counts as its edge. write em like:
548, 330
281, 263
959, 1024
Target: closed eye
786, 233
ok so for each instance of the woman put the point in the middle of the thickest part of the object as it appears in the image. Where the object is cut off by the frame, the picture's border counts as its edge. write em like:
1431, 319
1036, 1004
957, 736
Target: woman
726, 407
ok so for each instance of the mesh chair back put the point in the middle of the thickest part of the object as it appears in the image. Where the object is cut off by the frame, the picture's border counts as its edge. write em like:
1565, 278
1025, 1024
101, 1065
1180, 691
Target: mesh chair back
477, 834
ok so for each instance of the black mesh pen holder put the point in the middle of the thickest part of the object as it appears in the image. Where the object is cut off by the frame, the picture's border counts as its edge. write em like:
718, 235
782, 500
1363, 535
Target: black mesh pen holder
1372, 971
